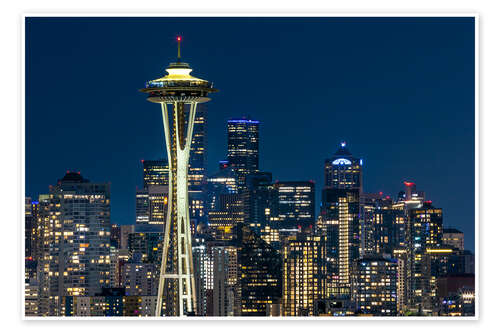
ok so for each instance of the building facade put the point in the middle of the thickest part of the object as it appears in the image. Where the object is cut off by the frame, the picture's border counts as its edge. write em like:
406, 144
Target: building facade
75, 250
374, 286
424, 234
296, 204
343, 171
304, 274
243, 147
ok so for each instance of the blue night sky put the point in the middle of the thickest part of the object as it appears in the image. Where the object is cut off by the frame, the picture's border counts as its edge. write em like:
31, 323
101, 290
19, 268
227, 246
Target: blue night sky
400, 91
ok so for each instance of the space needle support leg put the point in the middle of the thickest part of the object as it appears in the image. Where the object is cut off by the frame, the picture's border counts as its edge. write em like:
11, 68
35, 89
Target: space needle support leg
166, 238
192, 117
184, 251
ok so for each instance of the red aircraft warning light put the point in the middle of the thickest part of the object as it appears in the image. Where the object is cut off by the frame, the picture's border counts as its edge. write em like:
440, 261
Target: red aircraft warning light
409, 184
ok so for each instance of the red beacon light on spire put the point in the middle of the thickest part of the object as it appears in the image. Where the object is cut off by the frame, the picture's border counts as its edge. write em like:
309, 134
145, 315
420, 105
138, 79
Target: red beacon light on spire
178, 38
409, 183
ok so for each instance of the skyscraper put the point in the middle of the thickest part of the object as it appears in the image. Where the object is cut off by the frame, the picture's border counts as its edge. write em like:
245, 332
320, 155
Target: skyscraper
340, 210
424, 233
228, 213
260, 200
222, 182
158, 204
75, 252
243, 146
197, 167
382, 226
183, 92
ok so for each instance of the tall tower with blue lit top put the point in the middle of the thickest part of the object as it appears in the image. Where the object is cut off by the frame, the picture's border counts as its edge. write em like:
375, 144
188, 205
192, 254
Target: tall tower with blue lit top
344, 171
340, 210
182, 93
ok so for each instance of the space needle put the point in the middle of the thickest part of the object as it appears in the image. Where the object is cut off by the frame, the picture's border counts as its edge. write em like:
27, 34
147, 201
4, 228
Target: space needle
180, 92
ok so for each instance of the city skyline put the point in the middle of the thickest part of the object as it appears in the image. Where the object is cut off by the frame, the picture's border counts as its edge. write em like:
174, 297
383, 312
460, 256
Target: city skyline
245, 241
426, 156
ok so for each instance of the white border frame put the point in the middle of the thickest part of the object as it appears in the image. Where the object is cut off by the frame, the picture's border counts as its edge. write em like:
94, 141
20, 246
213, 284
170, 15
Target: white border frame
230, 13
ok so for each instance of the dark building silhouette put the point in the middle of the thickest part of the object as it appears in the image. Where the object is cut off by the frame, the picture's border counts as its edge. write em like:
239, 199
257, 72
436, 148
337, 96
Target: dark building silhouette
296, 204
260, 200
259, 274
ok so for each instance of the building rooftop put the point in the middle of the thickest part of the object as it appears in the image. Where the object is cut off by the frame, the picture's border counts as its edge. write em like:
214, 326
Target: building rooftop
73, 177
451, 231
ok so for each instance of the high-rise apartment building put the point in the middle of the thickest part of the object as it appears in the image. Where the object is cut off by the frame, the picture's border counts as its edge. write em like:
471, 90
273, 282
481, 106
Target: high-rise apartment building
139, 279
374, 286
304, 274
243, 147
75, 248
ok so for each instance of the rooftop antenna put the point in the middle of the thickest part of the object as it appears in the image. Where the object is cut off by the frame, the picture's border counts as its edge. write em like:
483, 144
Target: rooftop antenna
178, 48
